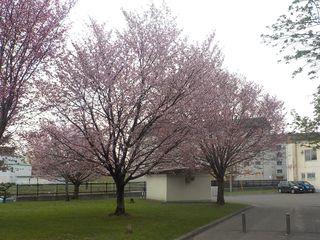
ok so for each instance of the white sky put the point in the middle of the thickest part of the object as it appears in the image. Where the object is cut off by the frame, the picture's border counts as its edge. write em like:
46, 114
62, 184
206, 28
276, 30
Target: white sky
238, 25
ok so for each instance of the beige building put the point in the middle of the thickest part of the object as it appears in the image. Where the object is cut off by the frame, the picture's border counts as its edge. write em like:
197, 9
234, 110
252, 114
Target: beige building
178, 186
303, 161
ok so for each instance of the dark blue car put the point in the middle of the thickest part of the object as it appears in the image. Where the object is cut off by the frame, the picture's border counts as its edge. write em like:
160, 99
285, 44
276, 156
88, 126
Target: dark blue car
290, 187
308, 187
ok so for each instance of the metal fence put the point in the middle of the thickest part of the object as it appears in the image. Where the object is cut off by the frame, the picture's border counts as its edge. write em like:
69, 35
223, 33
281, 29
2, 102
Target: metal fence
55, 190
250, 183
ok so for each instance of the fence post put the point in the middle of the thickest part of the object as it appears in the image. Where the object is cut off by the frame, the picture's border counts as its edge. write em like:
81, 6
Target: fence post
17, 191
37, 191
67, 191
129, 187
57, 190
287, 223
106, 188
244, 225
91, 189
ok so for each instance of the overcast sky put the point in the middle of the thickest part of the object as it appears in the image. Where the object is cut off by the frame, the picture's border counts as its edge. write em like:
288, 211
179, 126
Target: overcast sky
238, 26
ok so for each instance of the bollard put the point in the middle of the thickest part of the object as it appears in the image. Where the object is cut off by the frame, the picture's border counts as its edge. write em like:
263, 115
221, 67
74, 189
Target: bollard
244, 225
287, 223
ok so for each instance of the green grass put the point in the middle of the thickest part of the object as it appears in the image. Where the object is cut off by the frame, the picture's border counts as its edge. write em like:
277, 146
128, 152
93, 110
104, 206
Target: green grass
90, 220
250, 191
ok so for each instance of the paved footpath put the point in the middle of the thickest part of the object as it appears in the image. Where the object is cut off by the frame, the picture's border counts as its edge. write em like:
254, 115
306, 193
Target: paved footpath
267, 219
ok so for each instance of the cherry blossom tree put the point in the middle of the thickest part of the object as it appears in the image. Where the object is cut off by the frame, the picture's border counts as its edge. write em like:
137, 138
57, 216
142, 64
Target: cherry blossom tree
31, 33
123, 90
233, 121
51, 158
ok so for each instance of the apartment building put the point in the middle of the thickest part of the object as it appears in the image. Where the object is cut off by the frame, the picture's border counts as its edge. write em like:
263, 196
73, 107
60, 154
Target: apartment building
303, 160
269, 165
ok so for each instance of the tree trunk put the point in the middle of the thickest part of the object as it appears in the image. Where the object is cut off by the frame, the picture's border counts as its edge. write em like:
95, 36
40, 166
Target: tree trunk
220, 196
76, 191
120, 210
67, 191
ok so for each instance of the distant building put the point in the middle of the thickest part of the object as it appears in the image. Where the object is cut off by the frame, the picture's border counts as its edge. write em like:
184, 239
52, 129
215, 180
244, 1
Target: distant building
269, 165
17, 169
303, 160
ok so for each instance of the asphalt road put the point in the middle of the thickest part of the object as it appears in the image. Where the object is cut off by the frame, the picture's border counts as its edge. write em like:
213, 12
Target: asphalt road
267, 219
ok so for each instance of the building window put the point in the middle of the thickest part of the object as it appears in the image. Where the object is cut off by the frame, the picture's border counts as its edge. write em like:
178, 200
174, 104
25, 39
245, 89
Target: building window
279, 155
279, 163
303, 175
311, 175
258, 163
310, 154
279, 171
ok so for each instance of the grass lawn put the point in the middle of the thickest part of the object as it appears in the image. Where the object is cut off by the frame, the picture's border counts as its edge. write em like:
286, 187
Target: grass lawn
250, 191
90, 220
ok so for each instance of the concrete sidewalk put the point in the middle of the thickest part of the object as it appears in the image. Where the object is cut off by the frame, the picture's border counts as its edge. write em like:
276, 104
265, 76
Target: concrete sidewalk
267, 221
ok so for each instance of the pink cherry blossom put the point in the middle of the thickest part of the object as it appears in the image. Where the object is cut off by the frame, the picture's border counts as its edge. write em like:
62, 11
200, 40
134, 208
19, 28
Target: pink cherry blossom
31, 34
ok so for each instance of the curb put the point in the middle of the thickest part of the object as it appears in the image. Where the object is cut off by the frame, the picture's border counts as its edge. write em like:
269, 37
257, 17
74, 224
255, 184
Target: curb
201, 229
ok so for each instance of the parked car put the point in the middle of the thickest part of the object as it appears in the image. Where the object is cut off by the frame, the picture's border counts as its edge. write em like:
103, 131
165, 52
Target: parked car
290, 187
308, 187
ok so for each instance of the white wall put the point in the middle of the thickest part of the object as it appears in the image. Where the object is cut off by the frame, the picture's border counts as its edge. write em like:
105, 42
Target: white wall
197, 190
172, 188
33, 180
156, 187
22, 170
7, 177
17, 170
291, 160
